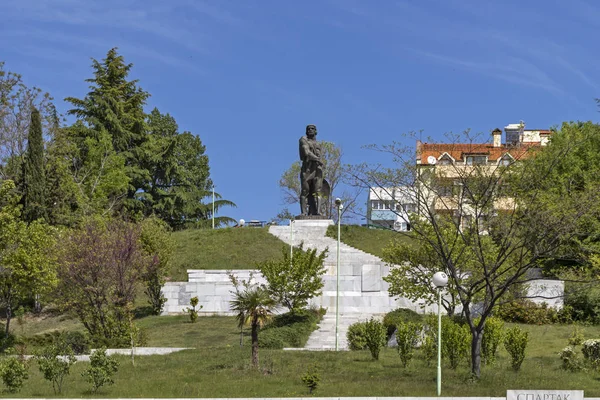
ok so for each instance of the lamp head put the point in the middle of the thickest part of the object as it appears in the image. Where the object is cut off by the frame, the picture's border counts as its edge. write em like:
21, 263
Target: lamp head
242, 222
440, 279
338, 203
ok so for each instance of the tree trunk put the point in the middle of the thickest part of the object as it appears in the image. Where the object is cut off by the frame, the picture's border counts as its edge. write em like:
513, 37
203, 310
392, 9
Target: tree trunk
476, 338
37, 307
8, 318
255, 342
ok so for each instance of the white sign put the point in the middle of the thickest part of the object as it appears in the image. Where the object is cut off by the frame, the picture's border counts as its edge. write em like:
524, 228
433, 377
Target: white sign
544, 395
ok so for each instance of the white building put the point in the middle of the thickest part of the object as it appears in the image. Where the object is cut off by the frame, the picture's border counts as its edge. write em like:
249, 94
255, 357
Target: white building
389, 207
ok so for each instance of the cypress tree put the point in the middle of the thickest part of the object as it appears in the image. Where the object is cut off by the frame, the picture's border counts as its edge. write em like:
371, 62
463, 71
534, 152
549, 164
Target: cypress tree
34, 180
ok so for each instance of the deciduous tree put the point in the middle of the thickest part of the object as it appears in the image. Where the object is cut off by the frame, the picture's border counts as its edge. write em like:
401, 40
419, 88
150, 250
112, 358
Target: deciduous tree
489, 232
100, 265
293, 282
27, 261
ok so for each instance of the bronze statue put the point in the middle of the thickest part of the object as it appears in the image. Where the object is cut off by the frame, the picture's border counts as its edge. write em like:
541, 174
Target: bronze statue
311, 174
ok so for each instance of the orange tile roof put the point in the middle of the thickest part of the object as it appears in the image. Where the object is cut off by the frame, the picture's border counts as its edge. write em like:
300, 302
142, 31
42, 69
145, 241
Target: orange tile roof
458, 151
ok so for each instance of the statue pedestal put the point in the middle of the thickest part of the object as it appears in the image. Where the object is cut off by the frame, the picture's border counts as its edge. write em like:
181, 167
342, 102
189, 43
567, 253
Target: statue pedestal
303, 217
321, 221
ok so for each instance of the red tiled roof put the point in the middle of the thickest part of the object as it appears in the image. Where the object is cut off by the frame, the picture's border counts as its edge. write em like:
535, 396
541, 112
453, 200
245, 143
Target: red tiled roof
458, 151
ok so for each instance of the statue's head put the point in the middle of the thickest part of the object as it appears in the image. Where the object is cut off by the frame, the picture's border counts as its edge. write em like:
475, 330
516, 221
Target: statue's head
311, 131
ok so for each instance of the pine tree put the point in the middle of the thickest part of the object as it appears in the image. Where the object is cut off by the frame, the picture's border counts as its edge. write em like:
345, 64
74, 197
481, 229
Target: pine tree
34, 172
115, 107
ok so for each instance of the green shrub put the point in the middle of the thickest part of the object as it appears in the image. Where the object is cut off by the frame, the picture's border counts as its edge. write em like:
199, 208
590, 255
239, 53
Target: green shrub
570, 361
101, 370
429, 347
14, 372
289, 329
6, 342
493, 333
591, 352
375, 337
398, 316
515, 342
192, 311
407, 337
77, 341
583, 302
123, 341
527, 312
456, 340
577, 337
357, 336
54, 362
311, 378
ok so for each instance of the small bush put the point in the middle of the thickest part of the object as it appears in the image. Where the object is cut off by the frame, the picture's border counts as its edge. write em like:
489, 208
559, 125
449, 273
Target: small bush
527, 312
13, 371
577, 337
6, 342
357, 336
77, 341
493, 333
583, 302
591, 352
375, 337
570, 361
407, 336
398, 316
192, 311
456, 340
311, 378
289, 329
54, 362
429, 347
515, 342
101, 370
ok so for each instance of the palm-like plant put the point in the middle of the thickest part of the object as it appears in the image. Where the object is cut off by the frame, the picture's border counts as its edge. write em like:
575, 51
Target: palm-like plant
255, 306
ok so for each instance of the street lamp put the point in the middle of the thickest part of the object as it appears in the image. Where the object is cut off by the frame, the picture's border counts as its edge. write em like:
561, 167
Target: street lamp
291, 240
440, 280
338, 203
213, 207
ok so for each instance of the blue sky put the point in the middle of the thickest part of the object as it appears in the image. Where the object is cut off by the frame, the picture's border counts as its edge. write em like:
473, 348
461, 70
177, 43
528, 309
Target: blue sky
247, 76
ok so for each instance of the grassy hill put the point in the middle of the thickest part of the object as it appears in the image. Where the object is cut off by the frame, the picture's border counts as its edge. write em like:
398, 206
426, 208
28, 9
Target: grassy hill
368, 240
228, 248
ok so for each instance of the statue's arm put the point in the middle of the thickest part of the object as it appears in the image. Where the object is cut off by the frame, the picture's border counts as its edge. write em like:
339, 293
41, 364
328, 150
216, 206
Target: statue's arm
305, 149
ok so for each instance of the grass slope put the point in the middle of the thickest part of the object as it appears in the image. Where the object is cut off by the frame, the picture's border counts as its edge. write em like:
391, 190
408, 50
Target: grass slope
227, 248
368, 240
218, 367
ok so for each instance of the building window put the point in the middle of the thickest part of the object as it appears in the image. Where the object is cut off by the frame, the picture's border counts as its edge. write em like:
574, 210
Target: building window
506, 161
409, 207
475, 160
445, 160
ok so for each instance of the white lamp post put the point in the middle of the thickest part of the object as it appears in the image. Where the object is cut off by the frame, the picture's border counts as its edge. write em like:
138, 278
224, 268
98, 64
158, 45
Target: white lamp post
338, 203
213, 207
291, 240
440, 280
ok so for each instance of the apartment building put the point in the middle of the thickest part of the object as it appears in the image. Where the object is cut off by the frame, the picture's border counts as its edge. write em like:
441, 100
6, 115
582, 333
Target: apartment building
451, 163
388, 208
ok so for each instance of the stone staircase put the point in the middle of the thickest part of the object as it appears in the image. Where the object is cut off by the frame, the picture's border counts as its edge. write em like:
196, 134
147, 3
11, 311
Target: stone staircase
362, 291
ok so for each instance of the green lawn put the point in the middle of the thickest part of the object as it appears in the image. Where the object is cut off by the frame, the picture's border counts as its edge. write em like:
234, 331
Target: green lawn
218, 367
227, 248
368, 240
